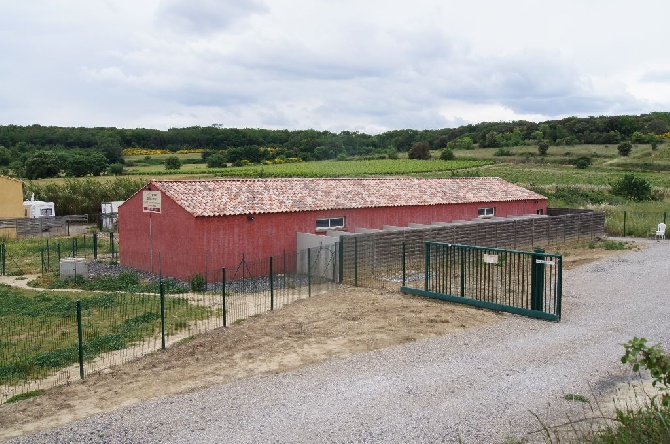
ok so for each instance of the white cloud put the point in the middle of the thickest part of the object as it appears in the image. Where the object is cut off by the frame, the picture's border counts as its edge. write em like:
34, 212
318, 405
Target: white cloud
366, 65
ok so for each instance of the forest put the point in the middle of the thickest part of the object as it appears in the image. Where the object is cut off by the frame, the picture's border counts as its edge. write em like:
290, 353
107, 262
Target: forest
35, 151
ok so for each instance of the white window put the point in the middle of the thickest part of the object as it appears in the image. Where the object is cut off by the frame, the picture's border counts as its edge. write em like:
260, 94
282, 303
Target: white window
486, 212
330, 223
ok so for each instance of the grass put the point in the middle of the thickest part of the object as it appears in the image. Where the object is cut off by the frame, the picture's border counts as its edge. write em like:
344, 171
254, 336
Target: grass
38, 330
22, 396
39, 255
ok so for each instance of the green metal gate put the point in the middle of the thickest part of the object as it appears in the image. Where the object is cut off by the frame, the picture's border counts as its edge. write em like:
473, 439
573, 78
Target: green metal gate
520, 282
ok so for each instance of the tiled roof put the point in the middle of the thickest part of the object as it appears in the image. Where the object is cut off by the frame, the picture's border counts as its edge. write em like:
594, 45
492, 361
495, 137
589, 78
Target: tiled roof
221, 197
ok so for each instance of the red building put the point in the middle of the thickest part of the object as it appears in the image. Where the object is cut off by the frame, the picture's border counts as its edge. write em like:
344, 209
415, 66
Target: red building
181, 227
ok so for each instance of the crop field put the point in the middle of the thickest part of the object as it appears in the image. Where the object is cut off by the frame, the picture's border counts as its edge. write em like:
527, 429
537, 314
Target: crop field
327, 168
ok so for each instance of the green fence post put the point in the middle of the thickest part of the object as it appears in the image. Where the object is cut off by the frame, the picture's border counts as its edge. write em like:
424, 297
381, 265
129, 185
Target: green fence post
427, 267
355, 262
111, 243
48, 257
309, 273
2, 258
665, 213
58, 250
162, 293
341, 260
404, 264
537, 280
624, 223
73, 246
272, 286
95, 246
223, 294
42, 260
80, 336
462, 256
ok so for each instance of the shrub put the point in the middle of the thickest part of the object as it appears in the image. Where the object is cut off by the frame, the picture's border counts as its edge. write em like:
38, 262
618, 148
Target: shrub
115, 169
420, 150
502, 152
583, 162
543, 147
625, 148
632, 188
172, 163
217, 160
447, 154
198, 283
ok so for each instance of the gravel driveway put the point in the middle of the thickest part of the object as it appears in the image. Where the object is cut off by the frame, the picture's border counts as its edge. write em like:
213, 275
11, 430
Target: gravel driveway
480, 385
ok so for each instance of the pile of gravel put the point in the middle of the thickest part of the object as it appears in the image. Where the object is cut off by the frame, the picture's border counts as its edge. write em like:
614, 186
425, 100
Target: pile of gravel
480, 385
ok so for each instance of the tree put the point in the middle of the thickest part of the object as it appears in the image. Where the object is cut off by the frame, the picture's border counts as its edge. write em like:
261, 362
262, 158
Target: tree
462, 143
583, 162
420, 150
632, 188
543, 147
447, 154
172, 163
42, 164
625, 148
115, 169
217, 160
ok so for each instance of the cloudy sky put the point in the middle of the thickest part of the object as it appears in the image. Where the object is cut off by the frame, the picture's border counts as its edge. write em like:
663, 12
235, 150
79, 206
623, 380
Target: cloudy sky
362, 65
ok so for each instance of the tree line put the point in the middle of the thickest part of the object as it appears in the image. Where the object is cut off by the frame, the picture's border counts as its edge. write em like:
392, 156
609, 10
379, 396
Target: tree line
37, 151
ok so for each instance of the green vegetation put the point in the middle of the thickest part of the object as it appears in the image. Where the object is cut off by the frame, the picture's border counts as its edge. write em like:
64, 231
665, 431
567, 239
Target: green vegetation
38, 330
37, 151
22, 396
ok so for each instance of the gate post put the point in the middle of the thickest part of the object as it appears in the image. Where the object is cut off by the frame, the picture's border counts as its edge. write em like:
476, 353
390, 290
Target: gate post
537, 280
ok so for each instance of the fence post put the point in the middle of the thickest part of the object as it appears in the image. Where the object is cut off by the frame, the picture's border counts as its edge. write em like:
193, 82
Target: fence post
355, 262
162, 294
2, 258
111, 243
665, 213
95, 246
58, 250
404, 264
537, 280
341, 260
48, 257
427, 267
462, 255
624, 223
42, 260
309, 272
272, 286
80, 337
223, 294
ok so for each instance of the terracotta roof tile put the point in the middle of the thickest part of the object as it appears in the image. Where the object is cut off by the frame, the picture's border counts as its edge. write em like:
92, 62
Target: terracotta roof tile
221, 197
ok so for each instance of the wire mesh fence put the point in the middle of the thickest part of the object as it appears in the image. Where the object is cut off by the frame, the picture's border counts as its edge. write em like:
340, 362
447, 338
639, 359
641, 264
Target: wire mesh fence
51, 338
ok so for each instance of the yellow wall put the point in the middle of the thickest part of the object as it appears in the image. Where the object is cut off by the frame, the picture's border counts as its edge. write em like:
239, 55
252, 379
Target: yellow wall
11, 198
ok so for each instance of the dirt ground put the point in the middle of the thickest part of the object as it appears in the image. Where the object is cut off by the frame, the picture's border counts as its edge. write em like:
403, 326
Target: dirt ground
353, 320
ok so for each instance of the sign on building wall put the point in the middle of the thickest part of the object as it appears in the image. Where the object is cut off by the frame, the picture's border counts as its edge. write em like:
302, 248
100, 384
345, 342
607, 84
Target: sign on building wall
151, 202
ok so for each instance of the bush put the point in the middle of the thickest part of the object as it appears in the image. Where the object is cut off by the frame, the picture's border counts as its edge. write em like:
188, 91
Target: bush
543, 147
198, 283
502, 152
217, 160
420, 150
583, 162
447, 154
633, 188
172, 163
115, 169
625, 148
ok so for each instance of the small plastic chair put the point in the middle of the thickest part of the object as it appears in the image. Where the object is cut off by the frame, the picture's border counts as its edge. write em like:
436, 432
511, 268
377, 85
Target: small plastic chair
660, 231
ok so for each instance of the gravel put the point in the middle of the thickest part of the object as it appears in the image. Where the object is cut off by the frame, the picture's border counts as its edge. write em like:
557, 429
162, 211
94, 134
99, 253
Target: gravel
481, 385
